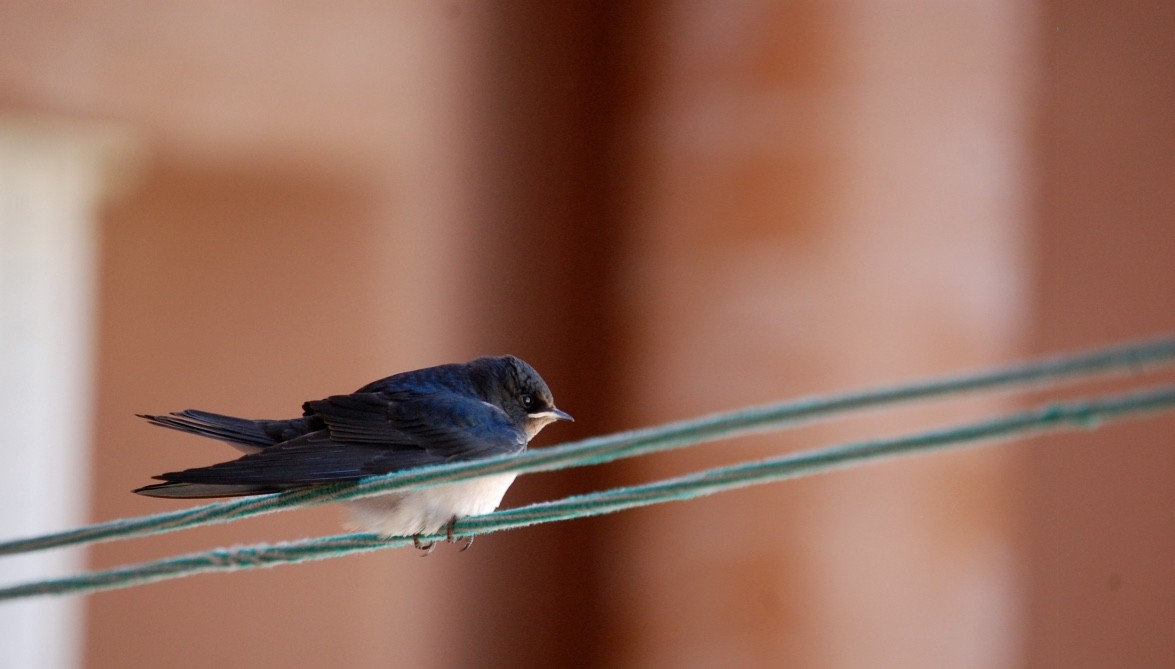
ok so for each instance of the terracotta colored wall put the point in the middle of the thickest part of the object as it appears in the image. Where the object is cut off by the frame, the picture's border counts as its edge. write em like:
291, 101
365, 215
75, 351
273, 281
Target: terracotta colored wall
299, 230
1100, 518
228, 292
828, 198
670, 209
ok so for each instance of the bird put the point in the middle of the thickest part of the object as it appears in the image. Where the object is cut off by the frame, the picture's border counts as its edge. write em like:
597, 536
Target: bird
448, 413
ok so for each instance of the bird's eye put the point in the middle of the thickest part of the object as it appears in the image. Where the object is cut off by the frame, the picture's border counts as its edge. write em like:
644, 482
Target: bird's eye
527, 401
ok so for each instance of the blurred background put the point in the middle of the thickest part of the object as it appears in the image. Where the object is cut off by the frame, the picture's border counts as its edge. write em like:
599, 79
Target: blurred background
669, 208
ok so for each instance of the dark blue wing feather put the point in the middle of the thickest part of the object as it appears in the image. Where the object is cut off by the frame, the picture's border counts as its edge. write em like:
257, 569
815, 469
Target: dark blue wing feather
366, 434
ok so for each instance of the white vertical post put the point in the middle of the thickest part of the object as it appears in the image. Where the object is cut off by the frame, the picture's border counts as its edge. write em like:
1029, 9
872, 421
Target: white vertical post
52, 176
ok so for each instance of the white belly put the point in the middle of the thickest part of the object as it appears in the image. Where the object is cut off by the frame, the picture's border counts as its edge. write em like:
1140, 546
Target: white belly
428, 510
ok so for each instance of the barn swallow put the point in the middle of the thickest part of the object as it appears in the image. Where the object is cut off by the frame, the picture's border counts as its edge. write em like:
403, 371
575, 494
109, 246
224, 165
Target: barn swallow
449, 413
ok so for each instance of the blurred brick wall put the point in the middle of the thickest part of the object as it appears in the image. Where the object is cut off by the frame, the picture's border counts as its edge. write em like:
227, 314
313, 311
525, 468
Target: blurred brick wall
828, 197
300, 230
670, 209
1100, 513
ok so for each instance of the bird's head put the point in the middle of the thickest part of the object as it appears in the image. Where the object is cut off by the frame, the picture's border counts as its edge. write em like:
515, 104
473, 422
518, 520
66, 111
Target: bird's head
516, 388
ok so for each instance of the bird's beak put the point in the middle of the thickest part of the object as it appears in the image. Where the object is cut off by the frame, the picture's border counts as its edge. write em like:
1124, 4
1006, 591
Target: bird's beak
559, 414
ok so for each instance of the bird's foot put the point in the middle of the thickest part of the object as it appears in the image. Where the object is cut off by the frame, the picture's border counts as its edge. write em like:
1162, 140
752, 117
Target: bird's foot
425, 547
467, 542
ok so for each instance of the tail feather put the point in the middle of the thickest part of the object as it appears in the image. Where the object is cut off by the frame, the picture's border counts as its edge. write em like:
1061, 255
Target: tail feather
247, 435
205, 490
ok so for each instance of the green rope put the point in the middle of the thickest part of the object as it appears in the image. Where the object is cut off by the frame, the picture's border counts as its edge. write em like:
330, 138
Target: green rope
1120, 358
1086, 414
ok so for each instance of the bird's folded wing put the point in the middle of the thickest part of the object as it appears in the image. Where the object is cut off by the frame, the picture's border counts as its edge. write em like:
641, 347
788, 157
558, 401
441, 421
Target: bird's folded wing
368, 434
447, 426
